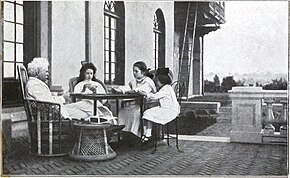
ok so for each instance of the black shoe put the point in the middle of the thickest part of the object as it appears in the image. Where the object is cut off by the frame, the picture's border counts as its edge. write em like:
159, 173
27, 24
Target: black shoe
116, 128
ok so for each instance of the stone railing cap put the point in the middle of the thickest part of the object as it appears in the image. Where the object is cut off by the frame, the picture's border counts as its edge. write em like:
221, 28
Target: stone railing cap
246, 89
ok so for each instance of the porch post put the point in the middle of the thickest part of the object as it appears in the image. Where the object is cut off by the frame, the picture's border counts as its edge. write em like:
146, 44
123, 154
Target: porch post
246, 114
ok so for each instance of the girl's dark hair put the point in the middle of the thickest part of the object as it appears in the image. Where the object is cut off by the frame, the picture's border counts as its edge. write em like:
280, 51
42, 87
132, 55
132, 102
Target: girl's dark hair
163, 79
142, 66
83, 71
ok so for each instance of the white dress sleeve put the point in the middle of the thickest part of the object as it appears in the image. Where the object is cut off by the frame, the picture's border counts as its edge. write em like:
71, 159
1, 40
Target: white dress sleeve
100, 88
79, 87
160, 94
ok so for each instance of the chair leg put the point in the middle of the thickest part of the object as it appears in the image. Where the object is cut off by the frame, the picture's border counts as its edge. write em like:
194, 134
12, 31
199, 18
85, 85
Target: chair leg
167, 131
162, 128
176, 123
119, 137
154, 130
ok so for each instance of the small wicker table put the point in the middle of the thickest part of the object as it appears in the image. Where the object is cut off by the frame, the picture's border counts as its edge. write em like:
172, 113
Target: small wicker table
91, 142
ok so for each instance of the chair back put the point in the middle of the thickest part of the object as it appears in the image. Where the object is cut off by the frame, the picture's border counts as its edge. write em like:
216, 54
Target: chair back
72, 83
23, 78
178, 89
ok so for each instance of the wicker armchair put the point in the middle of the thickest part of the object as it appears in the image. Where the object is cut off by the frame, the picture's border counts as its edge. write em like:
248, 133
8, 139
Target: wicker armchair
50, 135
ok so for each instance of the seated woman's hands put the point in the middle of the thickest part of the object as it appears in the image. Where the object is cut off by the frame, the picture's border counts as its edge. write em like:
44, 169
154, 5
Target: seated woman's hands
116, 90
91, 87
142, 92
131, 92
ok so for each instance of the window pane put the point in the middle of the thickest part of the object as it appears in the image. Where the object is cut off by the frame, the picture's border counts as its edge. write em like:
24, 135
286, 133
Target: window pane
107, 21
106, 5
113, 34
113, 59
19, 14
112, 6
8, 51
113, 69
107, 56
9, 31
19, 33
8, 11
106, 44
19, 52
107, 78
107, 67
19, 2
8, 69
113, 23
112, 45
113, 76
107, 33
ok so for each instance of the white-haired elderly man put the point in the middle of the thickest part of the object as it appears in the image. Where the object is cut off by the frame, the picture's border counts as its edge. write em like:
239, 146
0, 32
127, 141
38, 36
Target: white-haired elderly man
37, 89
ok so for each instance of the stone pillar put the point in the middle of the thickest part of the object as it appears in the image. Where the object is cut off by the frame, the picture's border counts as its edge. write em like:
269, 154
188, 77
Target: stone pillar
269, 128
196, 80
246, 114
284, 127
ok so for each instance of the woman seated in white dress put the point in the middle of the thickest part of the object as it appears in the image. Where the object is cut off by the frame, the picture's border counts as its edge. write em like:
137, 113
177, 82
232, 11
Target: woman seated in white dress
88, 84
130, 115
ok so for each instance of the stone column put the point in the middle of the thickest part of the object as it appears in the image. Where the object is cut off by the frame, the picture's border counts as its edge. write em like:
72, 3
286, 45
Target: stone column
246, 114
196, 70
284, 127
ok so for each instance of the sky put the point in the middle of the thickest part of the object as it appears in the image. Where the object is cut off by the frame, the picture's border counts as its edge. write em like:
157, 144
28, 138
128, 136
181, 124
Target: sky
253, 39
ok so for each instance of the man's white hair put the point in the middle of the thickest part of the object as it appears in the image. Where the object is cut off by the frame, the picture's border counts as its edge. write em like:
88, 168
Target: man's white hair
35, 66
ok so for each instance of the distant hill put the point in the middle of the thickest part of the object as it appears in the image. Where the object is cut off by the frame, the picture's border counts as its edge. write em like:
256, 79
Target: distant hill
249, 78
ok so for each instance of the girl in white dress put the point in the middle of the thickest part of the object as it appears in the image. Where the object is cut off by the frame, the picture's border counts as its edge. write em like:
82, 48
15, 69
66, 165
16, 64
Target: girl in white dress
130, 115
87, 84
169, 107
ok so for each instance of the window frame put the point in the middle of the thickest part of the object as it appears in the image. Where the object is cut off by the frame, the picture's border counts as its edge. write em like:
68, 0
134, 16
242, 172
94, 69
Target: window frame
114, 54
10, 84
158, 39
14, 41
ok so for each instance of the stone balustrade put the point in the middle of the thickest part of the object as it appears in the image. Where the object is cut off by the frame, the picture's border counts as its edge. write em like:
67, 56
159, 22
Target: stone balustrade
248, 119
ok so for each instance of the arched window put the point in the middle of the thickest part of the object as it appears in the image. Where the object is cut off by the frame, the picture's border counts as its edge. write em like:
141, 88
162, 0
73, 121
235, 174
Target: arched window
114, 42
158, 39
